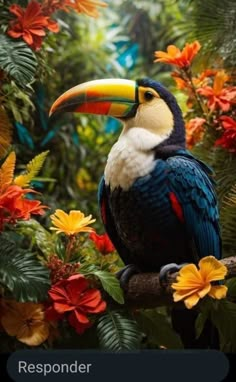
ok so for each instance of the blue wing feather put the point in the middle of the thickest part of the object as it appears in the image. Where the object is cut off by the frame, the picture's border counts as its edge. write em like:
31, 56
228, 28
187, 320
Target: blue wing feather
190, 180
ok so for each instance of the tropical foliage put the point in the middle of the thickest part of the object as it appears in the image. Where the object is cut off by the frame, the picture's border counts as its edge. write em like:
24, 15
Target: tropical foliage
57, 266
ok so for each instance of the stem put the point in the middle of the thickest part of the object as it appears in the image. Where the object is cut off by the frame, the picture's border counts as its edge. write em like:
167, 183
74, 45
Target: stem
69, 248
188, 74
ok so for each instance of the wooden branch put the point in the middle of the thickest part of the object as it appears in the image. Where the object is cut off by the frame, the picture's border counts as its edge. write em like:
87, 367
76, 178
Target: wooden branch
144, 289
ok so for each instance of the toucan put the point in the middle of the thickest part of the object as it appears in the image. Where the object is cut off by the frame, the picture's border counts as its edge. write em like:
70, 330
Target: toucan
157, 201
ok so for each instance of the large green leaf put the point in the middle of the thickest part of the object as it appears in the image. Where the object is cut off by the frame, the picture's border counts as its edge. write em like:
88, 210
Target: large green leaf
117, 332
22, 273
108, 280
158, 329
17, 60
111, 285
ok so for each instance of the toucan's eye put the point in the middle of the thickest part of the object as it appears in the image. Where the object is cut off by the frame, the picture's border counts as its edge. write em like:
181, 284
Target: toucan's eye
148, 96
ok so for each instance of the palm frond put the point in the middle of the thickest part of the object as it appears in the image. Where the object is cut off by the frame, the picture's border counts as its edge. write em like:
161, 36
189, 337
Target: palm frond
21, 273
213, 23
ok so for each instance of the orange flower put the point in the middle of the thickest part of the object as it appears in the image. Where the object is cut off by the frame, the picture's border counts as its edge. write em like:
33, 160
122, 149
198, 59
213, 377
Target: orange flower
180, 82
14, 206
89, 7
25, 321
102, 243
193, 284
30, 24
73, 297
194, 131
219, 96
204, 77
175, 56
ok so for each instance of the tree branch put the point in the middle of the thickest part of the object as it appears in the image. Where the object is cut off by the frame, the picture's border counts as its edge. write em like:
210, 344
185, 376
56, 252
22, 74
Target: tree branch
144, 289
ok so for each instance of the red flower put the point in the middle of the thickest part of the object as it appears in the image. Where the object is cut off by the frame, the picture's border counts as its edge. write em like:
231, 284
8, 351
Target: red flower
175, 56
72, 296
14, 206
219, 96
30, 24
102, 243
228, 138
228, 122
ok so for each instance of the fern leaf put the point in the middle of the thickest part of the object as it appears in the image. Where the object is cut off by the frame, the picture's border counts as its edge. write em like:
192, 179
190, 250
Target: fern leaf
32, 169
22, 274
117, 332
7, 171
5, 133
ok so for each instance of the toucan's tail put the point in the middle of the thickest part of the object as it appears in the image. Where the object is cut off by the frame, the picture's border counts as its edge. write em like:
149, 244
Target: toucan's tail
183, 322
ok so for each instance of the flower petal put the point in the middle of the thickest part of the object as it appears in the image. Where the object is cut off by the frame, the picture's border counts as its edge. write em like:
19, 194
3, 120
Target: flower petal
189, 277
191, 301
75, 320
218, 291
35, 334
211, 269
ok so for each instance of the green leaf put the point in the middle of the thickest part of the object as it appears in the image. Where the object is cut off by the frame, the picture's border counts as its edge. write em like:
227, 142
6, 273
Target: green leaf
111, 285
108, 280
158, 329
41, 237
22, 273
117, 332
17, 60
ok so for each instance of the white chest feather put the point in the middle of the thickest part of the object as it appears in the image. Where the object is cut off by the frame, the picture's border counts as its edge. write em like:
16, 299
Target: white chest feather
130, 158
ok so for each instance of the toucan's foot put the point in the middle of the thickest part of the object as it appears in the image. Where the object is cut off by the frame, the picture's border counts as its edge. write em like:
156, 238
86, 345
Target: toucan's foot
126, 273
169, 268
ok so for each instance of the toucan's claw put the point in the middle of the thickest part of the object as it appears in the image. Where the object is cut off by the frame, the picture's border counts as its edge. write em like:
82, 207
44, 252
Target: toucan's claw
168, 268
126, 273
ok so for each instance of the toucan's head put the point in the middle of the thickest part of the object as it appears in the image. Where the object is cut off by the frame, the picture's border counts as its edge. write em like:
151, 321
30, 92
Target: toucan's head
143, 103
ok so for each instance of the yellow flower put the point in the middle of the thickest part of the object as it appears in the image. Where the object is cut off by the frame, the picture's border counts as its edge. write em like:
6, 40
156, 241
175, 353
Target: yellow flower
71, 223
193, 284
25, 321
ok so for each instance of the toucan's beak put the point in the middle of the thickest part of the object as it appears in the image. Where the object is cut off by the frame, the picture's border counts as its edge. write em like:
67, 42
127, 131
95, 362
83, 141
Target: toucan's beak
114, 97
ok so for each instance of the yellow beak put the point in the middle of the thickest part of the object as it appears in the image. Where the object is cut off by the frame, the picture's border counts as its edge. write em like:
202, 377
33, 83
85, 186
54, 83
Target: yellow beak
114, 97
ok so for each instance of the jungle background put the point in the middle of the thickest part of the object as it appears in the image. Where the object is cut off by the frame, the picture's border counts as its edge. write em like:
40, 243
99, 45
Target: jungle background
120, 42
